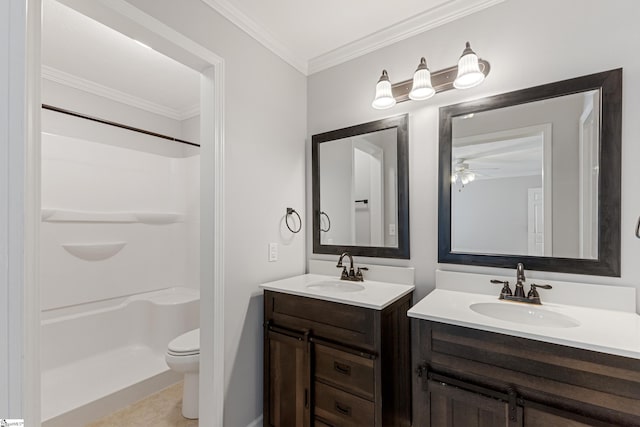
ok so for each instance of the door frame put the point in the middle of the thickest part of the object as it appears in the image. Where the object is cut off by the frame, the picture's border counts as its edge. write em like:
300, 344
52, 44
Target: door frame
129, 20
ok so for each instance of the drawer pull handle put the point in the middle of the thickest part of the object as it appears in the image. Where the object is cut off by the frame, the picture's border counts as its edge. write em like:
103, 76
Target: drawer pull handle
343, 409
342, 368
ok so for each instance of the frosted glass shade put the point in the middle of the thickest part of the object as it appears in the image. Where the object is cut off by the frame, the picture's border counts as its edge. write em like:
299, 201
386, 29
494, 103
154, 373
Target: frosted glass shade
384, 96
422, 88
469, 74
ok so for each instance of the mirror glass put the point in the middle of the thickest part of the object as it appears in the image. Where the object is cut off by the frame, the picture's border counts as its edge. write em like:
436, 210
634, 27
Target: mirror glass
533, 176
360, 189
509, 175
358, 201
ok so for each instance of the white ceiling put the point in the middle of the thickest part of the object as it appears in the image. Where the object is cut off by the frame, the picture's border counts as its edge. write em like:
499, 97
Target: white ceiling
502, 158
314, 35
311, 36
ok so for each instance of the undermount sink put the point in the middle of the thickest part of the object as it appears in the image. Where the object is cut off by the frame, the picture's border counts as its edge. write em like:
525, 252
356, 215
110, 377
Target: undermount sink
335, 286
528, 315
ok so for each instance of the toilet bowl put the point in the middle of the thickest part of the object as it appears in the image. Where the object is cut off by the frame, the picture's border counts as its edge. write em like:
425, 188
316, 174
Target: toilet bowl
183, 356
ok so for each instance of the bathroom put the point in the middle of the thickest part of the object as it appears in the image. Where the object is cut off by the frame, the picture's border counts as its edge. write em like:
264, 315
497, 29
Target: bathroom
526, 44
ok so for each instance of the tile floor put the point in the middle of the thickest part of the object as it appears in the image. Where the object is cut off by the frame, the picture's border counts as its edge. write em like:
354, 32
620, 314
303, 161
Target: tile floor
158, 410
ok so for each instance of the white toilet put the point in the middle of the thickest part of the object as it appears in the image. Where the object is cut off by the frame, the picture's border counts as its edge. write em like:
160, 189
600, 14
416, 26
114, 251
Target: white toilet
183, 356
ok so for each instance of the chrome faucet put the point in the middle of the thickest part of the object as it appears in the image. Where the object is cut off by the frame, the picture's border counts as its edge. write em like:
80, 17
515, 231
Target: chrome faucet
350, 275
532, 297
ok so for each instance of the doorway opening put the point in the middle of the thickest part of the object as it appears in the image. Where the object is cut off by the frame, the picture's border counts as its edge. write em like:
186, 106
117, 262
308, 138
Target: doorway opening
134, 23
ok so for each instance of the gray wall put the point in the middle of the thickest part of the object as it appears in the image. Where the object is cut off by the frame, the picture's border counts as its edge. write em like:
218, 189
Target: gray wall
489, 216
335, 191
264, 174
528, 44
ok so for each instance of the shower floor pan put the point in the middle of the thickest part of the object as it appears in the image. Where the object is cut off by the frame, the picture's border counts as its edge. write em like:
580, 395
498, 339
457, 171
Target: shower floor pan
97, 386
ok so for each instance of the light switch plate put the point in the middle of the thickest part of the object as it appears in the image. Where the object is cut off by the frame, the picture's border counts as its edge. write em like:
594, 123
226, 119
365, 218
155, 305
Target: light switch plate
273, 252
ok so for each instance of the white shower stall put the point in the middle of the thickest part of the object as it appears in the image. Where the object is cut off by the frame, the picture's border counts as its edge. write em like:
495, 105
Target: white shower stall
119, 263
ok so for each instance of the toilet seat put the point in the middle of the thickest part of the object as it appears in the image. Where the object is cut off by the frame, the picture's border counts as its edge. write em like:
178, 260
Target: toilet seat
187, 344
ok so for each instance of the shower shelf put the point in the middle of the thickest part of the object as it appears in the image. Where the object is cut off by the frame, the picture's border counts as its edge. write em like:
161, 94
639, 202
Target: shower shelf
94, 251
156, 218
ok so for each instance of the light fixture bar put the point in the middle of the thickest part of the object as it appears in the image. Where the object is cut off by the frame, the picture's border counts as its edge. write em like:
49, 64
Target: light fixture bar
440, 80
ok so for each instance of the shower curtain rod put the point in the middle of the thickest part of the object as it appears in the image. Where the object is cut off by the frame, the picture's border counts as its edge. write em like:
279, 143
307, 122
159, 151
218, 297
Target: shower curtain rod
116, 124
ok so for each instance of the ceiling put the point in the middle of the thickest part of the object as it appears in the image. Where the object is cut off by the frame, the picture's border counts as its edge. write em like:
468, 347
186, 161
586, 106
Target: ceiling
311, 36
315, 35
501, 158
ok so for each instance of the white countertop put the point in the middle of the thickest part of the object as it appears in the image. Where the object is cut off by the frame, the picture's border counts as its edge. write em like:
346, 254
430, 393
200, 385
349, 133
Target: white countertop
604, 330
375, 295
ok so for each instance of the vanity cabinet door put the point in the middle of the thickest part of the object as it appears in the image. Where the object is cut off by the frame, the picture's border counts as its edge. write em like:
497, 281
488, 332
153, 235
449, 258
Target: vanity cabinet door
456, 407
287, 368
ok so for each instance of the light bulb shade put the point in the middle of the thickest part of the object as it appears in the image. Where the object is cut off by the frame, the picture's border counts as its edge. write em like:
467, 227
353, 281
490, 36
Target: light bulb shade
469, 74
384, 96
422, 88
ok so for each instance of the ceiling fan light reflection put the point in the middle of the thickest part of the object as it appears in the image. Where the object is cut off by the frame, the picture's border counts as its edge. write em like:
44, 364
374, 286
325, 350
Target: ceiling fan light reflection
463, 176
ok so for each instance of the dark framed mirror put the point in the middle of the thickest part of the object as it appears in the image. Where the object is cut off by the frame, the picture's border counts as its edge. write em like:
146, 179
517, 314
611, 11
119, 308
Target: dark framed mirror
360, 186
534, 176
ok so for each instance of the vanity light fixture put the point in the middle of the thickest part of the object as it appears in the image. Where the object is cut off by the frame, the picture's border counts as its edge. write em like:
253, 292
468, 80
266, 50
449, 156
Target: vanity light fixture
422, 88
384, 96
469, 73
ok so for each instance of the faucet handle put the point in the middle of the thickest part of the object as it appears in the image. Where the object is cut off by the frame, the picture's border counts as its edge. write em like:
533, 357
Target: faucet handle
533, 293
506, 290
359, 276
345, 274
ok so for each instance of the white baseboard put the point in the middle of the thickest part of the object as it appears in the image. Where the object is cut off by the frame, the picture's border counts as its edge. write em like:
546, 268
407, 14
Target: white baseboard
256, 423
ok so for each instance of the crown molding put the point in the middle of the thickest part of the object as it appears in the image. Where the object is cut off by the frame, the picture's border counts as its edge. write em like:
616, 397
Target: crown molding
190, 112
432, 18
262, 36
70, 80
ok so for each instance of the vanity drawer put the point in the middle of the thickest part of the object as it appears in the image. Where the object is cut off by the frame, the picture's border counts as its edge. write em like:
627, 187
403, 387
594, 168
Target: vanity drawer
342, 409
328, 320
345, 370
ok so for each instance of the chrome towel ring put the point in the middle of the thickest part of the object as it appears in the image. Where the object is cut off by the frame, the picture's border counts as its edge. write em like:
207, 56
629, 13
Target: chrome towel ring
328, 222
291, 211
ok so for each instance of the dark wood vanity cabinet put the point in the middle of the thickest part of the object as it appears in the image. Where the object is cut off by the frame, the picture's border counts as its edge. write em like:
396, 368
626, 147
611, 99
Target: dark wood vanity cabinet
467, 377
289, 364
335, 365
